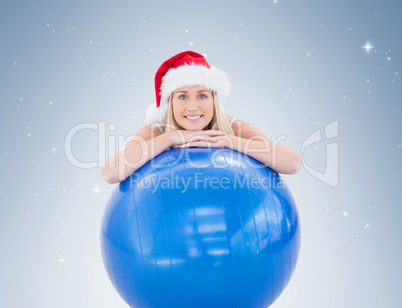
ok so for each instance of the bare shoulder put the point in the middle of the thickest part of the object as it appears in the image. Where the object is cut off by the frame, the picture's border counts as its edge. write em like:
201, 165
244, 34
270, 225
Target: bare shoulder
243, 129
229, 117
236, 124
146, 133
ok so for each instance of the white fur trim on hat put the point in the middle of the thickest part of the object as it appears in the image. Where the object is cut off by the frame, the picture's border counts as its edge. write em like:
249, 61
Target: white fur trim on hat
190, 75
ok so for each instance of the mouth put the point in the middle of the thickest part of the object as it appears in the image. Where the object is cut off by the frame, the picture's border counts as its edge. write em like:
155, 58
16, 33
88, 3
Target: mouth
194, 118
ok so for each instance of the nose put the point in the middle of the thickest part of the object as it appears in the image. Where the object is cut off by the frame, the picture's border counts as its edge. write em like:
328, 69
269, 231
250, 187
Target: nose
193, 105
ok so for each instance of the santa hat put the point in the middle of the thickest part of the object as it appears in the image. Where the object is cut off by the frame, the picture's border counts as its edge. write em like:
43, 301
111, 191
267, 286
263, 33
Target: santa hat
187, 68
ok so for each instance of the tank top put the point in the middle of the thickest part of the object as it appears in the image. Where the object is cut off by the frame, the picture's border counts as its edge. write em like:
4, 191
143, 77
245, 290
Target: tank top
231, 122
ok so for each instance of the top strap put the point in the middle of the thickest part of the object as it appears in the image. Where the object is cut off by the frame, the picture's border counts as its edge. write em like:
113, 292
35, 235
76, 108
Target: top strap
231, 122
160, 128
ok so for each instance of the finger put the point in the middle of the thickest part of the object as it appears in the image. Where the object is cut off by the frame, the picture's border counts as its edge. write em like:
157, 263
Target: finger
202, 138
181, 146
208, 137
217, 138
201, 143
217, 132
188, 144
213, 132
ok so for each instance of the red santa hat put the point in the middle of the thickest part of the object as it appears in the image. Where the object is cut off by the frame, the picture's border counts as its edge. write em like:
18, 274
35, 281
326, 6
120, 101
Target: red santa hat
187, 68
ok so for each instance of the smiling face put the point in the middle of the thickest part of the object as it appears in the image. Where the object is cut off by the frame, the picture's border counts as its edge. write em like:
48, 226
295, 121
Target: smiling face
193, 107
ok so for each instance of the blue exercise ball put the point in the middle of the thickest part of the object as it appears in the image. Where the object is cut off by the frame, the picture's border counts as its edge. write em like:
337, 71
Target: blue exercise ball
201, 227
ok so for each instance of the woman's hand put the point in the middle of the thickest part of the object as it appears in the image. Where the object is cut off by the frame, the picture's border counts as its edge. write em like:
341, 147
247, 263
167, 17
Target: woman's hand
219, 142
183, 137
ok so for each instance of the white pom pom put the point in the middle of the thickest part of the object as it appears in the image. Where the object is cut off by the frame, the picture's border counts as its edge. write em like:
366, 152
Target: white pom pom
156, 114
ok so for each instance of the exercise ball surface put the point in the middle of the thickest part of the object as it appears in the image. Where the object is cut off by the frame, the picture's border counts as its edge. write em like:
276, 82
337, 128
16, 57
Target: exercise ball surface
200, 227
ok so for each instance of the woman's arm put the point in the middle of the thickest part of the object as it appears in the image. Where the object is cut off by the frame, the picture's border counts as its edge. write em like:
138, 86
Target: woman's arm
252, 142
276, 156
144, 146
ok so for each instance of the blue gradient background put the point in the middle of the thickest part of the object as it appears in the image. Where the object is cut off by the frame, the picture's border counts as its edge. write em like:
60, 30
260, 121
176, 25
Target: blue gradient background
295, 66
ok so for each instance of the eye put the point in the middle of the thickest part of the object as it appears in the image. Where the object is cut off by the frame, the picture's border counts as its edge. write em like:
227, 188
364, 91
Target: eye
203, 96
182, 96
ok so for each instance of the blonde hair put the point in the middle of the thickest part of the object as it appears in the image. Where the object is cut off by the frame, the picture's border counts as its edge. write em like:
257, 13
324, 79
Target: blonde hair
218, 121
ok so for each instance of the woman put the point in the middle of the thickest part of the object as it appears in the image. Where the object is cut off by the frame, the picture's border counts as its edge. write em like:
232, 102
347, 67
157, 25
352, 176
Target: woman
188, 114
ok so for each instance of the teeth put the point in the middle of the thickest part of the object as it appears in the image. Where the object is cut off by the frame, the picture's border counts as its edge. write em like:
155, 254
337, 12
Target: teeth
193, 118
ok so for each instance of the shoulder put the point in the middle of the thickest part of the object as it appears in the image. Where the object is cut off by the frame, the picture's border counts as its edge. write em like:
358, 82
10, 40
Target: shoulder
243, 129
230, 119
152, 130
146, 133
236, 124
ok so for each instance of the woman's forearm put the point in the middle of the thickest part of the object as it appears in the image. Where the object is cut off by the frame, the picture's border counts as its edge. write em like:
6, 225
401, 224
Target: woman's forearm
120, 166
276, 156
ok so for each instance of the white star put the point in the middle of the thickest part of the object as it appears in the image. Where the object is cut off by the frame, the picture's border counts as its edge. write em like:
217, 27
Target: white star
368, 46
96, 189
